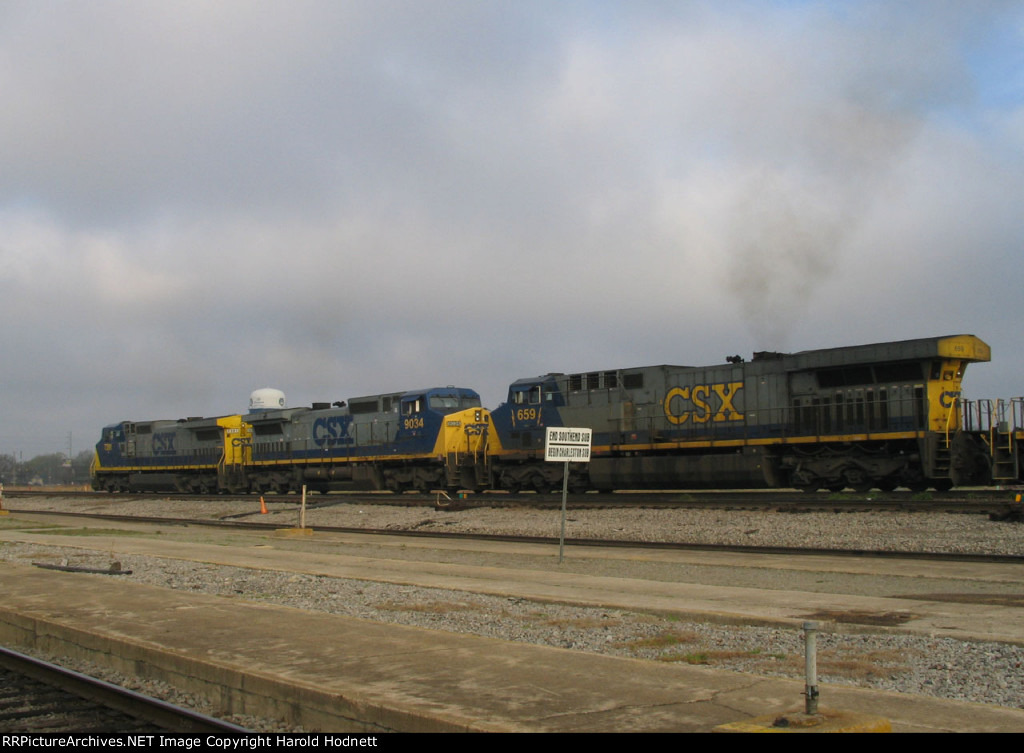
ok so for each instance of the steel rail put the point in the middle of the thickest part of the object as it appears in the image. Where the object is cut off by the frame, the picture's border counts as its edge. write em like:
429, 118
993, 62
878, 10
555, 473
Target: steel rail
161, 714
971, 501
545, 540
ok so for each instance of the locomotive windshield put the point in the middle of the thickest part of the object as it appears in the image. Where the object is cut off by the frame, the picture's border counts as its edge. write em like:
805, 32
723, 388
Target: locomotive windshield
526, 395
439, 403
453, 402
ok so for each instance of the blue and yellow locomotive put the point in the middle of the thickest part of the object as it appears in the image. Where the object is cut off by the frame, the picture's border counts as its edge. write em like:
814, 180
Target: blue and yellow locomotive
200, 455
421, 439
424, 439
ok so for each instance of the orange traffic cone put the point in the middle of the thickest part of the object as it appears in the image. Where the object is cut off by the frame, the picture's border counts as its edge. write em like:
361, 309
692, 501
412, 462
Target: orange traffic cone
263, 506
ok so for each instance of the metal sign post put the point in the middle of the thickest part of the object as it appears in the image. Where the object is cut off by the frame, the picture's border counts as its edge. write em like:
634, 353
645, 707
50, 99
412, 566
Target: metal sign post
563, 444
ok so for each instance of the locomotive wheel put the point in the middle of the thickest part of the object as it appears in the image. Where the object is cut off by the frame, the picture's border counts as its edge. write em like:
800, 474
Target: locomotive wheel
914, 480
942, 484
804, 481
858, 480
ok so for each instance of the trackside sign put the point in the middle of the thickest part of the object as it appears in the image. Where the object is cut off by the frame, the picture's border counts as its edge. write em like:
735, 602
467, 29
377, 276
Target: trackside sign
567, 445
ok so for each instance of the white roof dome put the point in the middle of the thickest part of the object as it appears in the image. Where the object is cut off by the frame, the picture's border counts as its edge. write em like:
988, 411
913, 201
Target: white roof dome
266, 398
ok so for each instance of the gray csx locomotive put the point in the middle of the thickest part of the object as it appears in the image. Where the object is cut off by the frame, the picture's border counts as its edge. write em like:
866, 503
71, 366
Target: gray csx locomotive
883, 415
870, 416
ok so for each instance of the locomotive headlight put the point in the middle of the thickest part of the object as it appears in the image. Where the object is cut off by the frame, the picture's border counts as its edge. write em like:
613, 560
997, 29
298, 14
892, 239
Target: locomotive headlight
478, 416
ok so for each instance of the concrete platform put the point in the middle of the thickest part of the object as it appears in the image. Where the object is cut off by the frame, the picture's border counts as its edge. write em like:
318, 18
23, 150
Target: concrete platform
338, 674
730, 604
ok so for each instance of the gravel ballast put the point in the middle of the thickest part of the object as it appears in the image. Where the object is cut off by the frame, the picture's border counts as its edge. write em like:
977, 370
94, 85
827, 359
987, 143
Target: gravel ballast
990, 673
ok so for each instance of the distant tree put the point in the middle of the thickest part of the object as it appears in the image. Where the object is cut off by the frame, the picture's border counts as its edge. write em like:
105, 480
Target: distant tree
49, 469
8, 469
80, 467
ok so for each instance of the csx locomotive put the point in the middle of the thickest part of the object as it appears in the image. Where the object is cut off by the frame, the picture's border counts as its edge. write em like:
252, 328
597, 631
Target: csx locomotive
422, 439
881, 416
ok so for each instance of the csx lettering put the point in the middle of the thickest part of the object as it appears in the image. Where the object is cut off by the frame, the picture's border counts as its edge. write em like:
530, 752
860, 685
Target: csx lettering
946, 399
331, 430
696, 403
163, 444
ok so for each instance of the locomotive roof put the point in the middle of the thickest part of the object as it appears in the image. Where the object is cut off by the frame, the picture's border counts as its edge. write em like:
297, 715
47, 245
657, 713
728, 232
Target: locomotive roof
402, 393
962, 347
274, 414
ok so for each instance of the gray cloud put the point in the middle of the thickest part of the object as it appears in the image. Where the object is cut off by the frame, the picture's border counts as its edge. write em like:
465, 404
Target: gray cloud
342, 198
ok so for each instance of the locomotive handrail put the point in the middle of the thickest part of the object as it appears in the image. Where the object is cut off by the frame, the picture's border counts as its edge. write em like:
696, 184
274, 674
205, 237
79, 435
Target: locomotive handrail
954, 410
1017, 411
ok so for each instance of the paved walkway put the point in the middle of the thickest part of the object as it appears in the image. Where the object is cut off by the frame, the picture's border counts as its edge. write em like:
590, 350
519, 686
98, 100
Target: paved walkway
970, 621
342, 674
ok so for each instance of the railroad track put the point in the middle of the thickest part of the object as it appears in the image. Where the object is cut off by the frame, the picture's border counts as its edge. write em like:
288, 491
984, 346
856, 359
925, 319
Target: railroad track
970, 501
40, 697
545, 540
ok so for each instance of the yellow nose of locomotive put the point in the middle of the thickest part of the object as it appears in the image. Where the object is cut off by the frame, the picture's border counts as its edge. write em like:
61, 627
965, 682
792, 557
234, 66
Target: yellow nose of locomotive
467, 432
465, 442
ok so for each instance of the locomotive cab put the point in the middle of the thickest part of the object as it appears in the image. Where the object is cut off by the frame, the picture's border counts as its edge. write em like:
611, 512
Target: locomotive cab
532, 405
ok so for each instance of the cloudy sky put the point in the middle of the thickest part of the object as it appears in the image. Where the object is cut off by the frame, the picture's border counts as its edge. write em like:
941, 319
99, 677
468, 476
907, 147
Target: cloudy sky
346, 197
